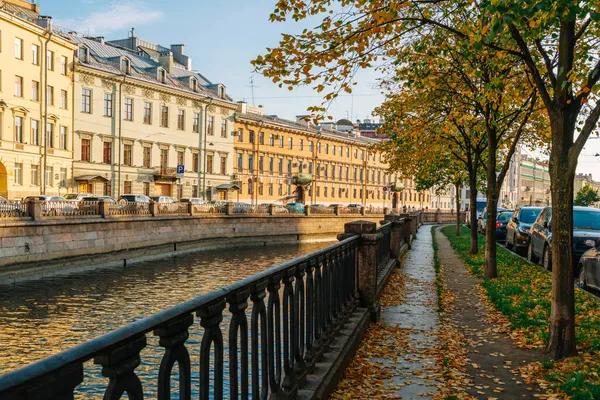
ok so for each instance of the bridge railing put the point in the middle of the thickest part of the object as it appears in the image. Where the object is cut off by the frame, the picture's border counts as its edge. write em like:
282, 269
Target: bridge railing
296, 309
443, 217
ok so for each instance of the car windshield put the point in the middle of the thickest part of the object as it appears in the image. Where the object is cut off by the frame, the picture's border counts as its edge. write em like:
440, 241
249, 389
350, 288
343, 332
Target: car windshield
504, 217
584, 219
528, 215
128, 198
71, 196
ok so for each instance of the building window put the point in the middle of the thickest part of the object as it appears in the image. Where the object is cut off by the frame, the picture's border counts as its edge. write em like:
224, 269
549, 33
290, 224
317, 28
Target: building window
195, 162
128, 109
301, 145
125, 66
326, 148
64, 62
50, 60
310, 146
63, 177
164, 116
63, 99
211, 125
50, 135
83, 54
146, 188
209, 163
19, 48
19, 129
49, 176
86, 100
18, 86
164, 158
240, 135
271, 140
289, 167
250, 162
240, 162
127, 154
108, 105
333, 151
35, 132
196, 123
281, 139
181, 120
147, 113
224, 128
180, 158
108, 188
50, 95
35, 54
261, 138
251, 188
270, 189
147, 156
107, 153
260, 189
280, 190
162, 75
62, 137
35, 173
223, 164
127, 187
290, 143
18, 173
261, 164
251, 136
271, 164
85, 150
281, 166
318, 147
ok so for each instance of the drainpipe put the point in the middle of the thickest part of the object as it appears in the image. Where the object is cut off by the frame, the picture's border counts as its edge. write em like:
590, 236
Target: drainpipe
120, 133
257, 145
200, 139
204, 155
45, 97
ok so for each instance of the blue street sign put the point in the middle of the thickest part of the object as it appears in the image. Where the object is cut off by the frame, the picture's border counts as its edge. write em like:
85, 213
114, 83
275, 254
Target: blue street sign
180, 171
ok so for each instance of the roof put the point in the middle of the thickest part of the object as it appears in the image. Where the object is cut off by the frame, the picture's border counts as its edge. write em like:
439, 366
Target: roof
105, 57
228, 186
91, 178
20, 12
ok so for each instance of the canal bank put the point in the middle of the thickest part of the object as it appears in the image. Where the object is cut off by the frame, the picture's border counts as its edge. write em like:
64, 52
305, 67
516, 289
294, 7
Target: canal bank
35, 249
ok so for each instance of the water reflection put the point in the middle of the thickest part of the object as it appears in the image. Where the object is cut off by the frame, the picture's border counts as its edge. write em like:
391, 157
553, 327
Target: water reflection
41, 318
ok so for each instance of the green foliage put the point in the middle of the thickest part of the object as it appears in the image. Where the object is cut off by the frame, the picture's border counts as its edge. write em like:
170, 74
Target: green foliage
587, 196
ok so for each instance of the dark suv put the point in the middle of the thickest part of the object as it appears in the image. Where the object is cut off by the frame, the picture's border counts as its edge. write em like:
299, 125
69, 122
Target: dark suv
517, 229
586, 226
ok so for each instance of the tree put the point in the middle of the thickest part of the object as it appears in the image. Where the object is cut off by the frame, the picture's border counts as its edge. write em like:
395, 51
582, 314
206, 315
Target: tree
586, 196
555, 39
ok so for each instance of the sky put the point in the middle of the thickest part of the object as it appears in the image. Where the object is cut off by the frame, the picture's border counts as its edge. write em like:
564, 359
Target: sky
222, 37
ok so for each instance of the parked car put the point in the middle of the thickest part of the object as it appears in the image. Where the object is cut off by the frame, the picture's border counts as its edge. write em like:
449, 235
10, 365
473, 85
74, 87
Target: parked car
502, 220
134, 198
163, 199
76, 197
589, 266
217, 206
242, 208
52, 205
193, 200
295, 207
90, 199
277, 208
354, 205
334, 205
8, 206
586, 227
481, 220
517, 229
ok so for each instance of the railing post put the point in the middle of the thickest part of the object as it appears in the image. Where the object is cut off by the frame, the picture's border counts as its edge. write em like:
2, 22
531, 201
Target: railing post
438, 217
336, 210
362, 210
34, 208
103, 209
367, 263
407, 229
397, 239
119, 364
153, 208
190, 208
307, 210
229, 208
270, 209
386, 210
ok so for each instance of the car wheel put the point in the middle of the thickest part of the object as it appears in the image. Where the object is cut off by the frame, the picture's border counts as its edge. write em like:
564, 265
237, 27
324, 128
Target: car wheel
582, 280
530, 255
509, 244
547, 258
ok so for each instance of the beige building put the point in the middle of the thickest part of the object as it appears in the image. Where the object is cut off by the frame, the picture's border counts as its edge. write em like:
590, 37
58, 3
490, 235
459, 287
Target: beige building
139, 113
36, 101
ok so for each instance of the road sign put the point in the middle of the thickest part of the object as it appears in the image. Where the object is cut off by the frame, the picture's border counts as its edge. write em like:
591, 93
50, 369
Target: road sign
385, 188
180, 171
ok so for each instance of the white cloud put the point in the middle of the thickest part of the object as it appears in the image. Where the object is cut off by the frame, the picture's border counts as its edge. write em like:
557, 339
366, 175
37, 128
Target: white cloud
113, 17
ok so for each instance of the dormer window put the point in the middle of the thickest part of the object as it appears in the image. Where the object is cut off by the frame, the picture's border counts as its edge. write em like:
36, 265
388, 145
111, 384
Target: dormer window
221, 91
83, 54
125, 66
162, 75
194, 84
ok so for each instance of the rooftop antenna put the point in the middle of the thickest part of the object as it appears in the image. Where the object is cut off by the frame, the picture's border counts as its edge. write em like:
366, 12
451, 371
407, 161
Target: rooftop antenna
252, 86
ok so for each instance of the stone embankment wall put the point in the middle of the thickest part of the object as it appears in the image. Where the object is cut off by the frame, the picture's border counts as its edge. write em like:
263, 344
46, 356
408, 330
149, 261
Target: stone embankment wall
45, 247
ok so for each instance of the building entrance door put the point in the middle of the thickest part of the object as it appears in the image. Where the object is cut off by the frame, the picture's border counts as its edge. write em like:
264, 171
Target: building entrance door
3, 181
163, 189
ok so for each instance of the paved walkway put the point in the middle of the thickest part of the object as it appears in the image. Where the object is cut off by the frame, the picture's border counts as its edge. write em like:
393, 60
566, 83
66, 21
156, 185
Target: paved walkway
418, 317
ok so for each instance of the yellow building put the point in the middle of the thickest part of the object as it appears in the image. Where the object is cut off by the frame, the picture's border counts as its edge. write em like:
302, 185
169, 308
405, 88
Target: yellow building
36, 93
279, 161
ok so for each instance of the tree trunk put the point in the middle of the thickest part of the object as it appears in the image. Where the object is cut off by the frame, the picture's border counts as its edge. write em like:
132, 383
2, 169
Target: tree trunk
473, 212
562, 317
491, 270
457, 209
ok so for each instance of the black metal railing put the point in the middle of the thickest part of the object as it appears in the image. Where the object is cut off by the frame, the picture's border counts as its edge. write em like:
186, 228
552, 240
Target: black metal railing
268, 349
383, 252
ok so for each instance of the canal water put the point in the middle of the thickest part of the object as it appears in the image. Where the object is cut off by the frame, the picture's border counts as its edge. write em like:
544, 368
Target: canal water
42, 317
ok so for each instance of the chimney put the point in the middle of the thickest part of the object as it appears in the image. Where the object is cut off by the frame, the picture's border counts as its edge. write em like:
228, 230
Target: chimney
45, 22
302, 119
178, 51
166, 60
242, 107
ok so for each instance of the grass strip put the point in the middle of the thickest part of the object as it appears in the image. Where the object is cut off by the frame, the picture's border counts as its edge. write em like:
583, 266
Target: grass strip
522, 293
439, 283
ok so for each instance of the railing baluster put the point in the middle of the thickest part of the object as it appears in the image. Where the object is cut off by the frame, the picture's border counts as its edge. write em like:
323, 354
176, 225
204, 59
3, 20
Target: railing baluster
260, 386
210, 319
290, 324
318, 309
310, 314
299, 294
172, 337
119, 364
274, 322
237, 305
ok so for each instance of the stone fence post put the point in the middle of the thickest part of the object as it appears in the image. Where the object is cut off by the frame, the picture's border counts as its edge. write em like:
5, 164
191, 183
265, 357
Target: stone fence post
407, 228
386, 210
307, 210
34, 208
367, 263
362, 210
153, 208
229, 208
336, 210
103, 209
438, 217
191, 210
397, 235
270, 209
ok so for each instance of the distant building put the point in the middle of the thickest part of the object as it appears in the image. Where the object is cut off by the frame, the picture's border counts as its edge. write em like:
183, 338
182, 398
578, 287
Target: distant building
370, 129
585, 179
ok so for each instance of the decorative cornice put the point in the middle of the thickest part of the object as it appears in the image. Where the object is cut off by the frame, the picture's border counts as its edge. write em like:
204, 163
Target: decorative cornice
165, 97
106, 84
87, 79
148, 93
128, 89
182, 102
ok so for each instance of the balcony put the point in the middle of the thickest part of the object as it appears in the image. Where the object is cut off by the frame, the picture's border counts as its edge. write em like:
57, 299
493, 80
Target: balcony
164, 173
